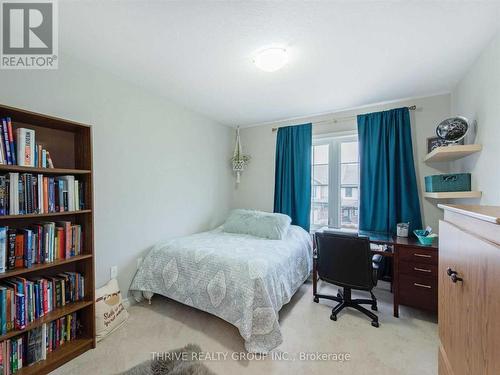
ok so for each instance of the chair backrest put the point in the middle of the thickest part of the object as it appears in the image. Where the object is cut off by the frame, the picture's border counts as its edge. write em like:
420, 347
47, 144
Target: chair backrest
344, 259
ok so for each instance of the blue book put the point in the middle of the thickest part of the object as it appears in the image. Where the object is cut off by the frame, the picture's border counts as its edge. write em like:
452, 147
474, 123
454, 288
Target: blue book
36, 156
6, 144
37, 300
44, 158
28, 236
20, 191
52, 205
3, 310
20, 311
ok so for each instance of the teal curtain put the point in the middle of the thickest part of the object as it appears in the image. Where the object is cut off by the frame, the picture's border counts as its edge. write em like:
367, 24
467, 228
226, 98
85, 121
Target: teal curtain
292, 183
388, 184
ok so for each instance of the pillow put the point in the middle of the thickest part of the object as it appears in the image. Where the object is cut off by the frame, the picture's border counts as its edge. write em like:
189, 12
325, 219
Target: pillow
258, 223
110, 314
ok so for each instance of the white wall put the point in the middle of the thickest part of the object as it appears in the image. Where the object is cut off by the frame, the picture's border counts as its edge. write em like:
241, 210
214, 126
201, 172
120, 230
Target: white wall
257, 182
160, 170
477, 97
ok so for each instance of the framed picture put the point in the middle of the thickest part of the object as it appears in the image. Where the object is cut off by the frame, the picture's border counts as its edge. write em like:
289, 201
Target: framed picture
433, 142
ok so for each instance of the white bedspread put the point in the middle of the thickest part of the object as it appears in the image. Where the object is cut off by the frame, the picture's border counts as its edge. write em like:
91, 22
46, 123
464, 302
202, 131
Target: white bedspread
242, 279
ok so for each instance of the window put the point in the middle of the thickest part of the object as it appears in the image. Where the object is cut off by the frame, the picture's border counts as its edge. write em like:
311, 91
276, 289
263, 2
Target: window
335, 182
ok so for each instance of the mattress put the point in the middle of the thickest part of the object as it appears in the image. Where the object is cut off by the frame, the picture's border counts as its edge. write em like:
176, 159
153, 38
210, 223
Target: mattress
242, 279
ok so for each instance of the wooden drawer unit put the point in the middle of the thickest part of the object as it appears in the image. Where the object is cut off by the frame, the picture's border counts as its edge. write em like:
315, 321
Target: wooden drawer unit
417, 279
418, 255
419, 292
418, 269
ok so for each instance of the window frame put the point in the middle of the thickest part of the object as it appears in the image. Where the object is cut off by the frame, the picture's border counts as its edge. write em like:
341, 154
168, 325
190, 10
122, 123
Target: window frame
334, 174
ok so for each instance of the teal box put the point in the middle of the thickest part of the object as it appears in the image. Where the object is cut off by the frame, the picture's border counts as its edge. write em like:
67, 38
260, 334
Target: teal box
448, 182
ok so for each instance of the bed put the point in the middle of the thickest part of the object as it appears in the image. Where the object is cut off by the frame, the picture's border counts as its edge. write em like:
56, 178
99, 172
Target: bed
240, 278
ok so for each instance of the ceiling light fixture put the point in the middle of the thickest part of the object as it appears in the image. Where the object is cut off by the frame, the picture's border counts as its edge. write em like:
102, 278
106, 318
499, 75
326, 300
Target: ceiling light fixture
271, 59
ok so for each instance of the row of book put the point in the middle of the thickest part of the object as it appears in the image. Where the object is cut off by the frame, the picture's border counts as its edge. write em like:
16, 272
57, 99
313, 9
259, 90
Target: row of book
24, 300
26, 193
34, 345
21, 149
40, 243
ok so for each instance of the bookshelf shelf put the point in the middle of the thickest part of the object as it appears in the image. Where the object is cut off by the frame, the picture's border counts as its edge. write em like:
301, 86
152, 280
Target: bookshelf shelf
58, 357
454, 194
43, 266
70, 147
449, 153
46, 171
41, 216
53, 315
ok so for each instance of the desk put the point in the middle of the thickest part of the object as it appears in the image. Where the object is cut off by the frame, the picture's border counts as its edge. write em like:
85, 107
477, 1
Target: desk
414, 269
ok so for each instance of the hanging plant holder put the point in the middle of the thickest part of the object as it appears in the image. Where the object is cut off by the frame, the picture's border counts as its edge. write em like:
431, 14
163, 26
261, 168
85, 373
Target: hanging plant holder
239, 160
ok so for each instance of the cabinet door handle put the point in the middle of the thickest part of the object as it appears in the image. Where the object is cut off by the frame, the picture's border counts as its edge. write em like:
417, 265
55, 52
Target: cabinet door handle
421, 269
422, 255
453, 275
422, 285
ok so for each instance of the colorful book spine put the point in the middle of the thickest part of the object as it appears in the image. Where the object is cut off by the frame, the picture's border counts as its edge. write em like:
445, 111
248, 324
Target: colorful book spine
6, 145
3, 310
11, 249
20, 311
3, 249
12, 147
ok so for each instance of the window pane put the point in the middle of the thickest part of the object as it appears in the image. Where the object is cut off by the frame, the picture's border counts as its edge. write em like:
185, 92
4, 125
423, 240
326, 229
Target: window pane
320, 175
349, 174
319, 213
349, 152
320, 193
320, 155
349, 216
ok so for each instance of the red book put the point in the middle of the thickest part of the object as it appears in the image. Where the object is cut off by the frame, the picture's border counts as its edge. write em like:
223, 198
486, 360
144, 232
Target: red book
61, 244
11, 140
46, 194
45, 296
66, 226
19, 250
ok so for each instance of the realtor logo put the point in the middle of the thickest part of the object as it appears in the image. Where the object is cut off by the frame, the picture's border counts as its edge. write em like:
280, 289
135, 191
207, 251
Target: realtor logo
29, 35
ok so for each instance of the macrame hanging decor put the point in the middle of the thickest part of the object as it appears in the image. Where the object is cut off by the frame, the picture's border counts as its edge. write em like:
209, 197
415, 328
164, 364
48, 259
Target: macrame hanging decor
239, 160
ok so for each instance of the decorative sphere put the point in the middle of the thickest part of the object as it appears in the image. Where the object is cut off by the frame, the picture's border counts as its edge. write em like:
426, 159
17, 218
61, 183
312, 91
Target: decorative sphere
453, 129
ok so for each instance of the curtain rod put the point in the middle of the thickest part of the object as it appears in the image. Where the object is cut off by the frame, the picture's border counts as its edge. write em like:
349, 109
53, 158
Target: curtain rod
335, 120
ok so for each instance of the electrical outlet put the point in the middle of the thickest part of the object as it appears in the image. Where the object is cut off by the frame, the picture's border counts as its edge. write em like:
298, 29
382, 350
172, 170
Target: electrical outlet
114, 272
139, 262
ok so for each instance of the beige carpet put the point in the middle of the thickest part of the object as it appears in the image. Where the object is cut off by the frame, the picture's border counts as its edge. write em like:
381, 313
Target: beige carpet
407, 345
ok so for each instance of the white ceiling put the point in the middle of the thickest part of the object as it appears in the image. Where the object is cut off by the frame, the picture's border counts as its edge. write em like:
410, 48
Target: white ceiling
342, 54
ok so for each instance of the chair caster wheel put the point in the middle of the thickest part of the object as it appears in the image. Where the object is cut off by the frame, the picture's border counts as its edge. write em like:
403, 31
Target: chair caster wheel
374, 308
375, 324
333, 317
316, 299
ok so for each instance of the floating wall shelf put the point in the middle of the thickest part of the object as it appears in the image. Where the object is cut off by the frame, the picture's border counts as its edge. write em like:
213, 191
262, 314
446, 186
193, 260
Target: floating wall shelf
449, 153
454, 194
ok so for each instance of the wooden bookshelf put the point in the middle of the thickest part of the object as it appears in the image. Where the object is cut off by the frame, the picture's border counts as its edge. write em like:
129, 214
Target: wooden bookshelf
70, 147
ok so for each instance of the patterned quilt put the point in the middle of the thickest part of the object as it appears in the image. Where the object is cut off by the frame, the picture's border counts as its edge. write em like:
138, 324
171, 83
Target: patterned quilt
242, 279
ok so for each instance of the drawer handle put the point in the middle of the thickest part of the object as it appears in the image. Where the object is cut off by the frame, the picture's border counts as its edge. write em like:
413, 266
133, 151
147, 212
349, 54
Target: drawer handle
423, 255
422, 285
421, 269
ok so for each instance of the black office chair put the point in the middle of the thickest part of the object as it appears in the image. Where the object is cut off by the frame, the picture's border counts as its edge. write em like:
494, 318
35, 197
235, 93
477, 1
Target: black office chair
346, 260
